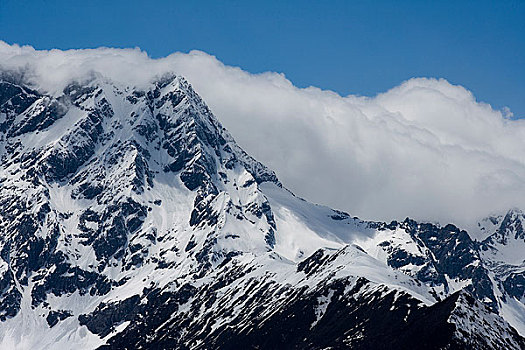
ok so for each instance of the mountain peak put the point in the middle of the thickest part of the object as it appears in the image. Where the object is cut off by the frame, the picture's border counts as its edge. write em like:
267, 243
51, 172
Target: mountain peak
131, 216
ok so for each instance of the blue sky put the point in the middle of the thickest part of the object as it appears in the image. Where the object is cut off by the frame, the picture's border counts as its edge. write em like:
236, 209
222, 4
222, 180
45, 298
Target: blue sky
358, 47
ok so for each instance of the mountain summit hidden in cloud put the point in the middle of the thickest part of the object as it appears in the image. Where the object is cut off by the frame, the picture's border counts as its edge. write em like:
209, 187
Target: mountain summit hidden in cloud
131, 218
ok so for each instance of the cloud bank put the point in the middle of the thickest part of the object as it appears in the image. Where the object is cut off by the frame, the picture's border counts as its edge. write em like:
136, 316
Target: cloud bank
425, 149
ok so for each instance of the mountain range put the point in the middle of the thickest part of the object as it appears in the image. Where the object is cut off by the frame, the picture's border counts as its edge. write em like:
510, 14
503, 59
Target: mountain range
131, 218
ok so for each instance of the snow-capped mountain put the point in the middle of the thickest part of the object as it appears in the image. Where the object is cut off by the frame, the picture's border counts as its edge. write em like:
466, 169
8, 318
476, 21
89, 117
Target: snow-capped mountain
130, 219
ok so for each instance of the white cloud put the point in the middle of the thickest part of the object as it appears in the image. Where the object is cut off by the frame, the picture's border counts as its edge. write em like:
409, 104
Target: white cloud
425, 149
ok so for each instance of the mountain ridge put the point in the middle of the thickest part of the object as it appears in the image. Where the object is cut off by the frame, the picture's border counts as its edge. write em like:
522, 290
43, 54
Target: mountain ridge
116, 197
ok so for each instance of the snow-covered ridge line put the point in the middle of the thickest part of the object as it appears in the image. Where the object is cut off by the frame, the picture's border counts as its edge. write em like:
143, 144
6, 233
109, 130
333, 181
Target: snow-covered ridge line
460, 145
127, 211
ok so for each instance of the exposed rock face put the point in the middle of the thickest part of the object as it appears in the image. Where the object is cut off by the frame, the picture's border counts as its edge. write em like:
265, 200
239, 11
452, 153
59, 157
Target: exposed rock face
130, 218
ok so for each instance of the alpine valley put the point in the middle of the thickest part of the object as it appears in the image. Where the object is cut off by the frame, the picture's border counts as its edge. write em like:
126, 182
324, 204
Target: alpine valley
130, 219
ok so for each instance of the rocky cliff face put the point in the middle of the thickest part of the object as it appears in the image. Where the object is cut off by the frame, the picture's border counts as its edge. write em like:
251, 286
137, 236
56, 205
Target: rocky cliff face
130, 218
